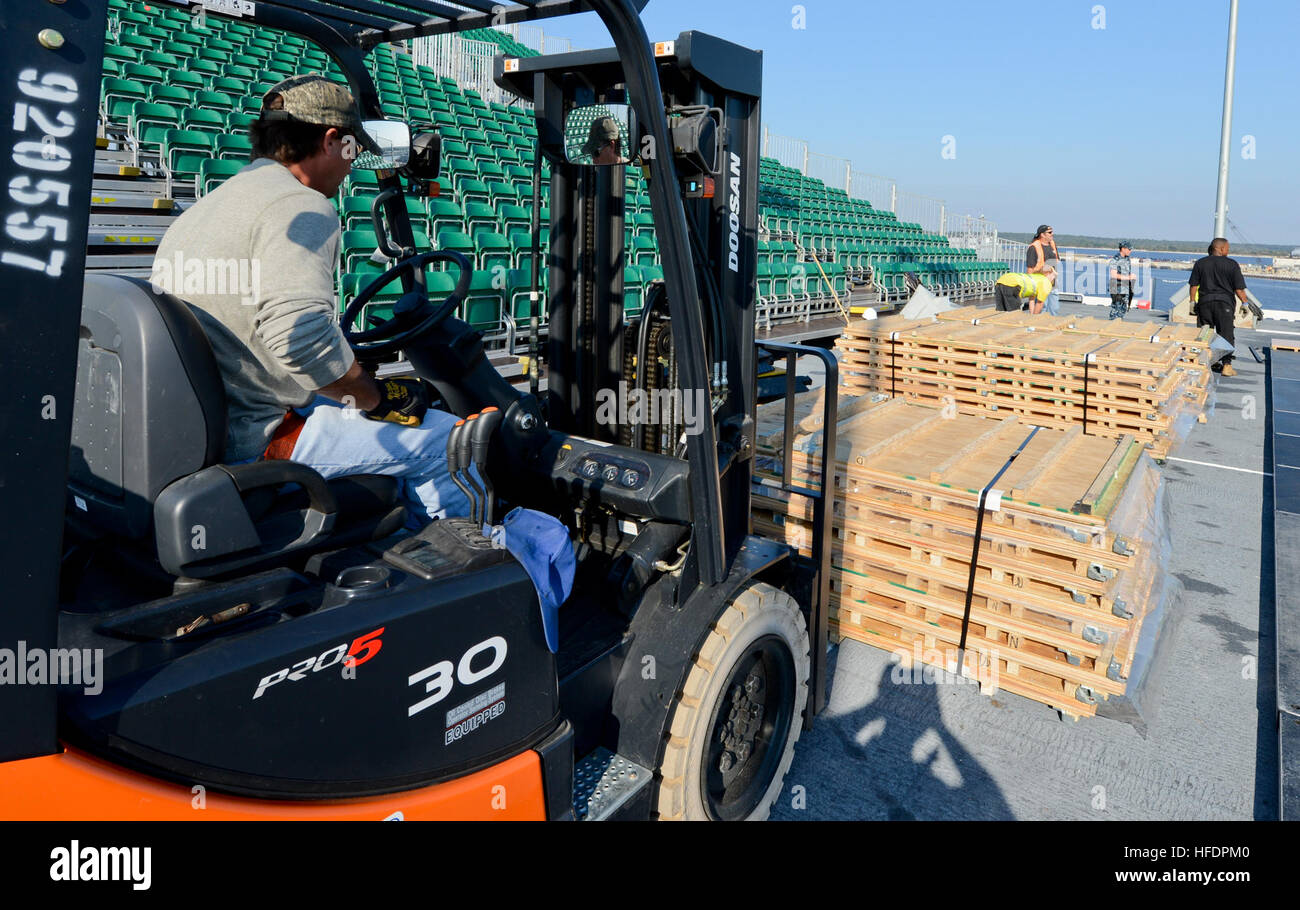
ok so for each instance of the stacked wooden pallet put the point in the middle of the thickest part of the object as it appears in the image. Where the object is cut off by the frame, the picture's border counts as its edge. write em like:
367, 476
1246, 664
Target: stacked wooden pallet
1195, 341
1109, 385
1066, 563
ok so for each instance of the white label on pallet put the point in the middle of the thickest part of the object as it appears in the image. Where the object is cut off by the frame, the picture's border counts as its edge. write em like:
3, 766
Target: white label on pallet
1092, 357
893, 336
1153, 339
993, 501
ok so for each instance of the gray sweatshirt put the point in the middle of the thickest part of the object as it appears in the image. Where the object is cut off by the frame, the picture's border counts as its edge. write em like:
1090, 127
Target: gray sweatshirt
255, 258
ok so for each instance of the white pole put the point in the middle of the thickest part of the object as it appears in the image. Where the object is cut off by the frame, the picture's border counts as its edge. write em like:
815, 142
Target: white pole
1225, 139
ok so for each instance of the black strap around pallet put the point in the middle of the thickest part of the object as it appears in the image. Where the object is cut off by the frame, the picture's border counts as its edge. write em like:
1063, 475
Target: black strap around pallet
975, 547
1087, 359
893, 359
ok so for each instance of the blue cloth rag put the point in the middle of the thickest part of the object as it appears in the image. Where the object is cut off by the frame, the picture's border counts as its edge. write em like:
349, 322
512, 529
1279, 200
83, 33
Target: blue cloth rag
541, 544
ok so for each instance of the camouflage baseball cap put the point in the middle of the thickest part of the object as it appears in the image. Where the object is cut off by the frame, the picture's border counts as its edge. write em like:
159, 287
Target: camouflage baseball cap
312, 98
604, 130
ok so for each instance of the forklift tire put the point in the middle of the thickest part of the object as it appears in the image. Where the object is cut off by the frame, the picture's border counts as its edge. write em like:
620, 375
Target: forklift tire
736, 721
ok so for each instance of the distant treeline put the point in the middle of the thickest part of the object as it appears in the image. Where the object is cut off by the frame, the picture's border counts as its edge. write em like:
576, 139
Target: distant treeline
1173, 246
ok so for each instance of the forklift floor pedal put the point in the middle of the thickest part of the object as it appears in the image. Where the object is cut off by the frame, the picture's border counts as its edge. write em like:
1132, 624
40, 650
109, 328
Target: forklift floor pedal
603, 782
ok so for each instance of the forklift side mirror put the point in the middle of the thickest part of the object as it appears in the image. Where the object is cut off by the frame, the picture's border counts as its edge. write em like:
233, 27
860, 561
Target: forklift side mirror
426, 156
394, 140
599, 134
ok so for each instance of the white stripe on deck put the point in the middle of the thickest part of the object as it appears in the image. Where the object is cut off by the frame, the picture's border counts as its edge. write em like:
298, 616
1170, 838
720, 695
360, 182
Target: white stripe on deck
1225, 467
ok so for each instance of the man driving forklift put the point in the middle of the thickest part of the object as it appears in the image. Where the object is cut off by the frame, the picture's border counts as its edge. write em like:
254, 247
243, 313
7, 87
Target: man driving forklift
605, 143
294, 388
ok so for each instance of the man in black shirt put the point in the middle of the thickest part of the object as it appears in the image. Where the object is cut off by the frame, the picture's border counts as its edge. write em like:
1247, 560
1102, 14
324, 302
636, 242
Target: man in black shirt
1215, 281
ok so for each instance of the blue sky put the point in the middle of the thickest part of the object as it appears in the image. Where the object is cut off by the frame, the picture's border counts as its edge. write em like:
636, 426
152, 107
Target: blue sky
1108, 131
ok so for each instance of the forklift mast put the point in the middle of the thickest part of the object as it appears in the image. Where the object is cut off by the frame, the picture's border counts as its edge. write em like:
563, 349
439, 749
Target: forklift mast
590, 340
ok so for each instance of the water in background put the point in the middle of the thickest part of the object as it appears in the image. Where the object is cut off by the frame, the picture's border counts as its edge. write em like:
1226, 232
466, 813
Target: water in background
1166, 257
1273, 293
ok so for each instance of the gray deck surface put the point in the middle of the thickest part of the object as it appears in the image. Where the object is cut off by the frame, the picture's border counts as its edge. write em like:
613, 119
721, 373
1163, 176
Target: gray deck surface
885, 750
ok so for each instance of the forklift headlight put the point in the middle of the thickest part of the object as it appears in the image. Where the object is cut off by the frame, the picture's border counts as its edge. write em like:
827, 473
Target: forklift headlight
696, 140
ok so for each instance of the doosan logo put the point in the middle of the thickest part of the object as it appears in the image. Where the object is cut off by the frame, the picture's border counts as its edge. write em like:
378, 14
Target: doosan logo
76, 863
733, 218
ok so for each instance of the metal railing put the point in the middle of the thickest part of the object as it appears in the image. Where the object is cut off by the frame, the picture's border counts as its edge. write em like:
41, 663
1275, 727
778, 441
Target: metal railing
468, 62
928, 212
533, 36
836, 173
881, 192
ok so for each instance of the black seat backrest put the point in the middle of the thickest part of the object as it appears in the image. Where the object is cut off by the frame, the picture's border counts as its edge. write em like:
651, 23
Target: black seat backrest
150, 405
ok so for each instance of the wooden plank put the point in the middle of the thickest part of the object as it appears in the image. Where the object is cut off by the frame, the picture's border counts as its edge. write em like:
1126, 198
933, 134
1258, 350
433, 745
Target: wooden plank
1109, 482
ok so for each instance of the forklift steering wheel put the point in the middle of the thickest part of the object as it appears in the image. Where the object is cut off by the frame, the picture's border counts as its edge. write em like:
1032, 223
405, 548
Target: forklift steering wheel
412, 316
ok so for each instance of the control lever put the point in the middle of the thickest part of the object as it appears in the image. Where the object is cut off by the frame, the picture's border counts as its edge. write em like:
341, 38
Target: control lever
453, 458
464, 458
488, 421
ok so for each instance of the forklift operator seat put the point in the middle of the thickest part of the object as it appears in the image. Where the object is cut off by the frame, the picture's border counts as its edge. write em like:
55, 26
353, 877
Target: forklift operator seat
148, 436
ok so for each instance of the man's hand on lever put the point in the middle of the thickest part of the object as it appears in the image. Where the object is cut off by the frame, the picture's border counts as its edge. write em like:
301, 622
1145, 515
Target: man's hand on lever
402, 401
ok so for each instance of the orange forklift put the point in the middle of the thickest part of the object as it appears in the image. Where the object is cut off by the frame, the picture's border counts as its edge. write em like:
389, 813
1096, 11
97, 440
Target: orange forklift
317, 659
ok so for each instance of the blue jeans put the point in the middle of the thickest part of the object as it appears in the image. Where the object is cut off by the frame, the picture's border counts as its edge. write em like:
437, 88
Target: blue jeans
337, 441
1052, 306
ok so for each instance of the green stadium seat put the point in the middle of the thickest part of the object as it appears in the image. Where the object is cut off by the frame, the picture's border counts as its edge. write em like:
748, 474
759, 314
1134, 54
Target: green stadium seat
513, 217
185, 79
643, 251
142, 72
456, 242
356, 247
479, 216
214, 101
207, 68
184, 150
170, 94
230, 147
501, 191
240, 122
493, 251
521, 249
134, 41
445, 214
380, 307
229, 85
200, 119
633, 291
121, 54
471, 189
150, 121
119, 97
485, 301
213, 173
161, 60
